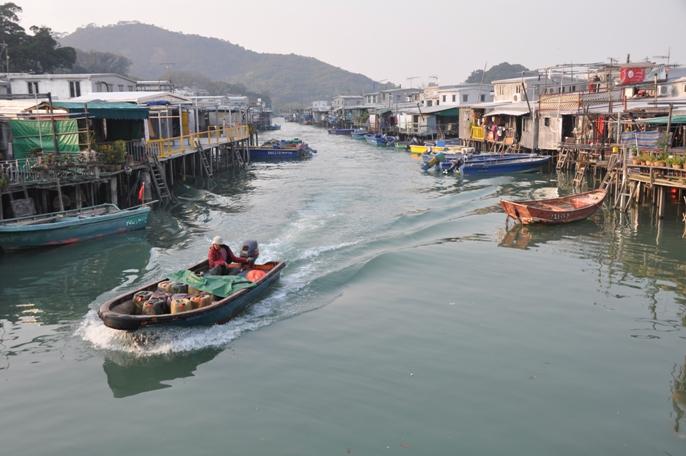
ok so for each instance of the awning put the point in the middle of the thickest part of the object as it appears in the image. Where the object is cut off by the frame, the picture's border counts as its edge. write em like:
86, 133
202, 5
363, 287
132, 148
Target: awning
506, 112
105, 110
676, 120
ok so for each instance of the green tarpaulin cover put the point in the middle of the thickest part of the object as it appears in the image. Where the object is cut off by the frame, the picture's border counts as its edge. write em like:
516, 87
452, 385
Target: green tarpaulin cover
221, 286
29, 135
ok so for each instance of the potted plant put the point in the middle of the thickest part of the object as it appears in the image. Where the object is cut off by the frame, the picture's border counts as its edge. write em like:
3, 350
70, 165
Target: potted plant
644, 158
4, 182
660, 160
635, 157
678, 162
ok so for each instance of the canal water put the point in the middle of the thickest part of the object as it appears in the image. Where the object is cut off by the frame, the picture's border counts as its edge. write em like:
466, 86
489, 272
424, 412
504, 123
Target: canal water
410, 320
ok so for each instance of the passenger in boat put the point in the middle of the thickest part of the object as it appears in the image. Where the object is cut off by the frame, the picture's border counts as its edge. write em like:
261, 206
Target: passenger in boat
220, 256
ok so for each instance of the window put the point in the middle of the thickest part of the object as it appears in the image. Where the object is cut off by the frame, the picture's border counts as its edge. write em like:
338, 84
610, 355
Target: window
482, 98
74, 89
130, 88
546, 121
33, 87
454, 98
465, 98
121, 87
428, 102
573, 89
444, 98
438, 102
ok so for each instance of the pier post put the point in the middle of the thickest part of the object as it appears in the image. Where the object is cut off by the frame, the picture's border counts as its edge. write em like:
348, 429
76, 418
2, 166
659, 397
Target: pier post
59, 195
113, 191
78, 196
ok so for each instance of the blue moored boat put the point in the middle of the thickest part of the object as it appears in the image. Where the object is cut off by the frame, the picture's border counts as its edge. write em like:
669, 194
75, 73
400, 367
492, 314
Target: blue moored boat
277, 150
359, 134
505, 166
380, 140
341, 131
72, 226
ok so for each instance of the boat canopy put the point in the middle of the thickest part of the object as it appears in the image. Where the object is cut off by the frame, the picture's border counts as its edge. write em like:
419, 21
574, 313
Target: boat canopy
105, 110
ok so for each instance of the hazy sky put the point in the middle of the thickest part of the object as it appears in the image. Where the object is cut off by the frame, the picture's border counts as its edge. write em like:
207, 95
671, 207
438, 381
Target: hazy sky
396, 40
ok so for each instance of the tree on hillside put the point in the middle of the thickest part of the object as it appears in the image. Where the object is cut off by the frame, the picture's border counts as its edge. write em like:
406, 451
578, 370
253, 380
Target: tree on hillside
502, 70
100, 62
200, 82
37, 52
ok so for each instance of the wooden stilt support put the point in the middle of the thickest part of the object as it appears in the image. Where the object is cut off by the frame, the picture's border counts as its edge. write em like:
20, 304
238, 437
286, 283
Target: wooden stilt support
113, 191
79, 204
59, 195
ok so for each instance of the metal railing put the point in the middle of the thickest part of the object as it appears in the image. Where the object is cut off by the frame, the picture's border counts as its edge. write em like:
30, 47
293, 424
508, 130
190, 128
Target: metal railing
179, 145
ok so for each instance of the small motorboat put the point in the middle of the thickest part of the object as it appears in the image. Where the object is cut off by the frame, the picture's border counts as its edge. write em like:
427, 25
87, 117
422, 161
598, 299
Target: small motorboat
219, 298
505, 165
380, 140
359, 134
281, 149
555, 210
69, 227
340, 131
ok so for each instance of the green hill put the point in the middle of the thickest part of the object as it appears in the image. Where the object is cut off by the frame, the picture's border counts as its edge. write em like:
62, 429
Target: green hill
156, 53
502, 70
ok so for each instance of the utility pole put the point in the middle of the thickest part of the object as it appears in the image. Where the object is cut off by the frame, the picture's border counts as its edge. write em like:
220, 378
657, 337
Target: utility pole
54, 128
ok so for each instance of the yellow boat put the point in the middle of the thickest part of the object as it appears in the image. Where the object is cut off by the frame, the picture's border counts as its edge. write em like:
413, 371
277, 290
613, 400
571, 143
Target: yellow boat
420, 149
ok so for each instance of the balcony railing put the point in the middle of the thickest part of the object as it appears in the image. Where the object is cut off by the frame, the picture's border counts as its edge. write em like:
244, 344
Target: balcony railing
179, 145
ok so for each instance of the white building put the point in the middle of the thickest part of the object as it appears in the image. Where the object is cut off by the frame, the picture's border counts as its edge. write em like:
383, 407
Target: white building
463, 94
347, 101
66, 86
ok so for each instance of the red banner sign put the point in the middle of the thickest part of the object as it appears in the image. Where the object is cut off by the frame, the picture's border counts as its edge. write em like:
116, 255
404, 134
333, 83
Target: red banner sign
631, 75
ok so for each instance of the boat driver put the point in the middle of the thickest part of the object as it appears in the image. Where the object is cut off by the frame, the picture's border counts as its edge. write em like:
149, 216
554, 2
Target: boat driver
220, 256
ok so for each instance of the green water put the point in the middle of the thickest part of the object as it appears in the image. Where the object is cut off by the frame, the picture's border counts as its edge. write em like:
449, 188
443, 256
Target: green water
410, 320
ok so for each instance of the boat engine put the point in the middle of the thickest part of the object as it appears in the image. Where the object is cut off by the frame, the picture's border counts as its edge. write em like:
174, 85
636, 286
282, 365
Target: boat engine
250, 250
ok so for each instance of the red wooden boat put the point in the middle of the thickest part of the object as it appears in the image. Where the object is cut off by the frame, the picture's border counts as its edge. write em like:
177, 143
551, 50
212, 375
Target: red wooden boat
555, 210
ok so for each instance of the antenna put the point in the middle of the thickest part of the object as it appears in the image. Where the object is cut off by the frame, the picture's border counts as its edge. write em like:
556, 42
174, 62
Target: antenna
434, 77
167, 67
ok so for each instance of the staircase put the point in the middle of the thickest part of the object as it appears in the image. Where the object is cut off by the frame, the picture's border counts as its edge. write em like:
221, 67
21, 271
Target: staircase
158, 179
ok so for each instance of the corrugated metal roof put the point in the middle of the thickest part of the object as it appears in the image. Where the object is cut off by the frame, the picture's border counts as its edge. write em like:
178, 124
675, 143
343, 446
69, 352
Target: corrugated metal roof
133, 97
11, 108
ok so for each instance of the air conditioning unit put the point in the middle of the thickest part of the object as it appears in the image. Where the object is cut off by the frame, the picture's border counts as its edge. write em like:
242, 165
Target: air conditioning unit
663, 90
517, 97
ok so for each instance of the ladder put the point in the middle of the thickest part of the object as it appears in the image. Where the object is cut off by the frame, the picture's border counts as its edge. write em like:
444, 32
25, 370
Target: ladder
204, 162
580, 172
611, 171
158, 179
562, 158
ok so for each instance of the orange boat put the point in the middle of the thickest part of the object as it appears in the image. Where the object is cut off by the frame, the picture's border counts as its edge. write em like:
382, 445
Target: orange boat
555, 210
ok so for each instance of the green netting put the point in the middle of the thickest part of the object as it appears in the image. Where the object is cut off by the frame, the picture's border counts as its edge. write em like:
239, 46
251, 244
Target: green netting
30, 135
221, 286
